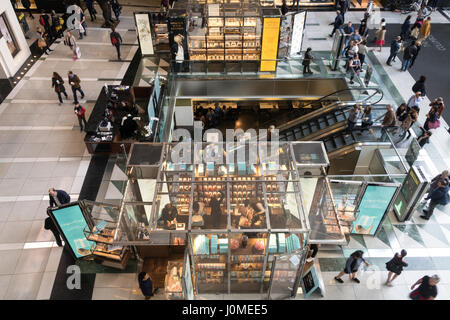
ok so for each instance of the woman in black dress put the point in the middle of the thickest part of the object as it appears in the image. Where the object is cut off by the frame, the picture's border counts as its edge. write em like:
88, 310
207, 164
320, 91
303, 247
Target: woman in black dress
395, 266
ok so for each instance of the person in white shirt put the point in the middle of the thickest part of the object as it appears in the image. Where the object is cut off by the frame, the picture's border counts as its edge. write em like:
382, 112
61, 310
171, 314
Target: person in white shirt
414, 101
178, 52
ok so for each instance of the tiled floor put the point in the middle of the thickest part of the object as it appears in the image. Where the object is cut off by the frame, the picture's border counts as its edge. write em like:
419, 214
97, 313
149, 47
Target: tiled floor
40, 147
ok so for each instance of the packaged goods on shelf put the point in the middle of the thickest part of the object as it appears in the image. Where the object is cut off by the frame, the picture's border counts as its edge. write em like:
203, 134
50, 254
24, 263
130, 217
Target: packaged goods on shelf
281, 241
223, 245
214, 244
201, 245
273, 243
293, 243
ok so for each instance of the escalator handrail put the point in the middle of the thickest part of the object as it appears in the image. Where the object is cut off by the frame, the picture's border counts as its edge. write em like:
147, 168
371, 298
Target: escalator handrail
332, 106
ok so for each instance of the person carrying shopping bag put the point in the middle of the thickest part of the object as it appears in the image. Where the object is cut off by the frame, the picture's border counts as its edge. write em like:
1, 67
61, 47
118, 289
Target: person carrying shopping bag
69, 40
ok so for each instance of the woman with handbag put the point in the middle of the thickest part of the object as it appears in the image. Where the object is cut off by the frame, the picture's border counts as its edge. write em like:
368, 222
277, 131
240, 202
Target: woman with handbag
58, 84
307, 61
432, 121
69, 40
42, 43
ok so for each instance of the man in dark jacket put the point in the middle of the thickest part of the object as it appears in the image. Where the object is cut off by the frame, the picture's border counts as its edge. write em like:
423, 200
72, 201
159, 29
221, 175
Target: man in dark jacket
389, 117
437, 196
27, 4
418, 46
44, 20
116, 40
74, 82
338, 22
57, 198
408, 55
395, 47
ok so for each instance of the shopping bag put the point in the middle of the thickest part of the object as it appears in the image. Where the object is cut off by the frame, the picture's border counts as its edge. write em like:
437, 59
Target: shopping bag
435, 124
78, 52
41, 43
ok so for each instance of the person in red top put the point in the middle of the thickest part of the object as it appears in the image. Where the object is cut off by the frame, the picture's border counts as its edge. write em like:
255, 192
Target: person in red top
439, 104
80, 112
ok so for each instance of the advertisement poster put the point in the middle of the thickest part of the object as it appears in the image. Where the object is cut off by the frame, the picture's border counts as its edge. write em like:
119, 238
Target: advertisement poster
72, 223
297, 32
144, 33
5, 32
285, 35
269, 47
373, 206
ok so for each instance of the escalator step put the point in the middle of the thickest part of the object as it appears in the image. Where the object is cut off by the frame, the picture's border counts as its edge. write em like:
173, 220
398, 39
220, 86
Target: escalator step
298, 135
329, 145
313, 127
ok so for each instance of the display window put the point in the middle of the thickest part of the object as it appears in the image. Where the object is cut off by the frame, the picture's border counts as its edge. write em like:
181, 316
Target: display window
7, 33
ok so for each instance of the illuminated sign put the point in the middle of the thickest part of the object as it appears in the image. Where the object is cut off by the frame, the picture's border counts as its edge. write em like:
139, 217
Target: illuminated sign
269, 47
297, 32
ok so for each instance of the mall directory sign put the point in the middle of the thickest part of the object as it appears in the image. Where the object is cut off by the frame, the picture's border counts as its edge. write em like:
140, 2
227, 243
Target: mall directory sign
269, 46
374, 205
71, 222
144, 33
297, 32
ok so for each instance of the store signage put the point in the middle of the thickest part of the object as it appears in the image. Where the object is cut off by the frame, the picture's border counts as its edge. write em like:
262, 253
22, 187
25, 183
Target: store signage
71, 223
297, 32
310, 281
144, 33
269, 47
372, 209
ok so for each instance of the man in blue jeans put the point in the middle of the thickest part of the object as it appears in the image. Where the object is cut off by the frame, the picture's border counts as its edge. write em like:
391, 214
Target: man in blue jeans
74, 82
437, 196
408, 55
395, 48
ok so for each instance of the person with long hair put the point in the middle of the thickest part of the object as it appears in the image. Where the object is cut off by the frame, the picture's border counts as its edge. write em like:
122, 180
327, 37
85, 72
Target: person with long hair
58, 84
351, 266
395, 266
405, 28
146, 285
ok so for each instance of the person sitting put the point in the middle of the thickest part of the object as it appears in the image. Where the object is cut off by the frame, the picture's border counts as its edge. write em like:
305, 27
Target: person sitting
258, 216
197, 214
169, 216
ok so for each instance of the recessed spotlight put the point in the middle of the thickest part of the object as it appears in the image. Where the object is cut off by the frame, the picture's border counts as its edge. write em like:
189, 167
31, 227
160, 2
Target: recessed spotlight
18, 77
35, 56
29, 64
25, 69
15, 82
32, 60
21, 73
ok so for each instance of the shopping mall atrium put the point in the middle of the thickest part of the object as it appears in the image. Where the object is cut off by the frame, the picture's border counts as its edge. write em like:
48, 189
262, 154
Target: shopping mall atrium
224, 150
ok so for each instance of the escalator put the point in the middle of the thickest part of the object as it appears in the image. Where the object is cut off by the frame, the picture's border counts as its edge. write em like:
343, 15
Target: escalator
329, 124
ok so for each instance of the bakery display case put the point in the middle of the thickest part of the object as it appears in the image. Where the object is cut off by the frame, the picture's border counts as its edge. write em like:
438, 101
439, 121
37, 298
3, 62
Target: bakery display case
231, 32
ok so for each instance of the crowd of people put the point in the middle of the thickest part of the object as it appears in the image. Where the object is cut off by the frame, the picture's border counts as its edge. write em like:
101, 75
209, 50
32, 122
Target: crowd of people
423, 289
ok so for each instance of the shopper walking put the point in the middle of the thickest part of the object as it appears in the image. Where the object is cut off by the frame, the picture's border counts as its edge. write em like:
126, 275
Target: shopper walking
408, 55
307, 61
351, 266
27, 5
44, 20
178, 52
402, 112
338, 22
294, 2
353, 116
395, 266
348, 32
419, 86
389, 117
69, 40
427, 289
432, 121
404, 34
380, 36
362, 51
424, 138
58, 84
444, 175
439, 104
425, 29
437, 196
43, 41
146, 285
82, 27
91, 9
414, 101
75, 81
363, 26
80, 111
355, 67
116, 41
414, 57
395, 48
407, 123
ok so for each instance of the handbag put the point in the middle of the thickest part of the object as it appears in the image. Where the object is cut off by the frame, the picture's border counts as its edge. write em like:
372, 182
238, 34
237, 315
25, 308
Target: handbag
78, 52
435, 124
41, 43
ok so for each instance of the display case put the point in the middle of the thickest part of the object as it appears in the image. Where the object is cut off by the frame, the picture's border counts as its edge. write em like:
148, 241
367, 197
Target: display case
232, 32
